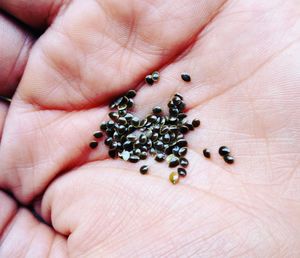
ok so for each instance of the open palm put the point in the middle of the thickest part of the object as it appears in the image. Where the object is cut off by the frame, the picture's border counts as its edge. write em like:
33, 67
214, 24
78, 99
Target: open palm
243, 57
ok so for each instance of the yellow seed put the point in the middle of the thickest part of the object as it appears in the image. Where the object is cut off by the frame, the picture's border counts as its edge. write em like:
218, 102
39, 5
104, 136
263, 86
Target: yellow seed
174, 178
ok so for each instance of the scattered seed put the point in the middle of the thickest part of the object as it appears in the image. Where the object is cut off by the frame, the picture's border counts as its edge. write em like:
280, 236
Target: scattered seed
196, 123
183, 151
131, 94
223, 150
157, 110
98, 134
93, 144
186, 77
181, 172
183, 162
155, 76
228, 159
160, 157
206, 153
174, 178
182, 143
149, 80
173, 162
144, 169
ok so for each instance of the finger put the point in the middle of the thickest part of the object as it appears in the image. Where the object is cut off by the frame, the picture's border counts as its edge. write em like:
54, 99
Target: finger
37, 14
21, 235
14, 49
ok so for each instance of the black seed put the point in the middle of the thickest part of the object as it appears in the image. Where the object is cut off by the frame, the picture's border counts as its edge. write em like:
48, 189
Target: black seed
137, 152
134, 159
119, 146
228, 159
149, 144
168, 151
181, 143
128, 145
179, 95
98, 134
196, 122
176, 100
144, 148
206, 153
143, 155
154, 136
131, 129
190, 126
166, 138
135, 121
113, 145
182, 152
173, 120
103, 126
136, 144
128, 117
171, 104
186, 77
143, 138
144, 169
143, 123
108, 141
159, 145
152, 151
174, 111
93, 144
157, 110
116, 136
118, 101
172, 137
181, 116
122, 121
114, 116
110, 124
148, 133
164, 129
174, 162
160, 157
112, 105
149, 80
122, 112
184, 162
112, 153
181, 172
181, 106
131, 137
110, 132
122, 129
184, 129
223, 150
130, 103
155, 76
124, 101
152, 118
131, 94
173, 128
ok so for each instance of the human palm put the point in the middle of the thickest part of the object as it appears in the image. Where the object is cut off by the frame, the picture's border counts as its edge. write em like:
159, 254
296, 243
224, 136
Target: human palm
243, 60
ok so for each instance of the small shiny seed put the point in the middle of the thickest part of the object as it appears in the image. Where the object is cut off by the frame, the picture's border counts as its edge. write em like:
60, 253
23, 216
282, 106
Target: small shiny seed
206, 153
166, 138
124, 101
159, 145
152, 151
174, 178
122, 112
177, 101
181, 172
112, 153
93, 144
154, 136
125, 155
170, 158
131, 137
143, 123
108, 141
110, 124
157, 110
122, 129
131, 129
164, 129
113, 145
128, 117
103, 126
184, 162
112, 105
182, 143
186, 77
148, 133
116, 136
131, 94
184, 129
143, 138
143, 155
181, 116
196, 122
137, 152
190, 126
128, 145
173, 120
223, 150
144, 148
174, 111
98, 134
135, 121
228, 159
134, 159
183, 151
149, 80
110, 132
174, 162
149, 144
118, 101
160, 157
122, 107
130, 103
179, 95
152, 118
144, 169
155, 76
113, 116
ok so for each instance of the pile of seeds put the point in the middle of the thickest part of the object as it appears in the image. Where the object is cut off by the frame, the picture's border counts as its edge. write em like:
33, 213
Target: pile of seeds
159, 135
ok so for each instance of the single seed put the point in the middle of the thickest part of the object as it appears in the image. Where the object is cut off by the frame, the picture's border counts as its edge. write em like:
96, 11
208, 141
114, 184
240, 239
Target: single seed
170, 158
93, 144
128, 145
183, 151
206, 153
223, 150
128, 117
186, 77
137, 152
174, 178
182, 143
134, 159
184, 162
174, 162
112, 105
130, 129
149, 80
174, 111
148, 133
122, 121
110, 132
154, 136
131, 137
177, 101
98, 134
189, 126
157, 110
181, 106
108, 141
143, 155
131, 94
124, 101
143, 123
184, 129
103, 126
164, 129
122, 129
155, 76
113, 116
181, 116
228, 159
144, 169
125, 155
112, 153
173, 120
181, 172
144, 148
179, 95
143, 138
135, 121
110, 124
152, 151
166, 138
160, 157
159, 145
173, 128
130, 103
113, 145
118, 101
152, 118
122, 112
196, 122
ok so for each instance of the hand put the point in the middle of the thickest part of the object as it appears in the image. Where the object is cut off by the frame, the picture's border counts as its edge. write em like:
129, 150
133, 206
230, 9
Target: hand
243, 59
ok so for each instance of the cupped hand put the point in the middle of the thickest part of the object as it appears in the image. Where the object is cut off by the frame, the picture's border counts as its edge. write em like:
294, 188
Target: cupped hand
243, 57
